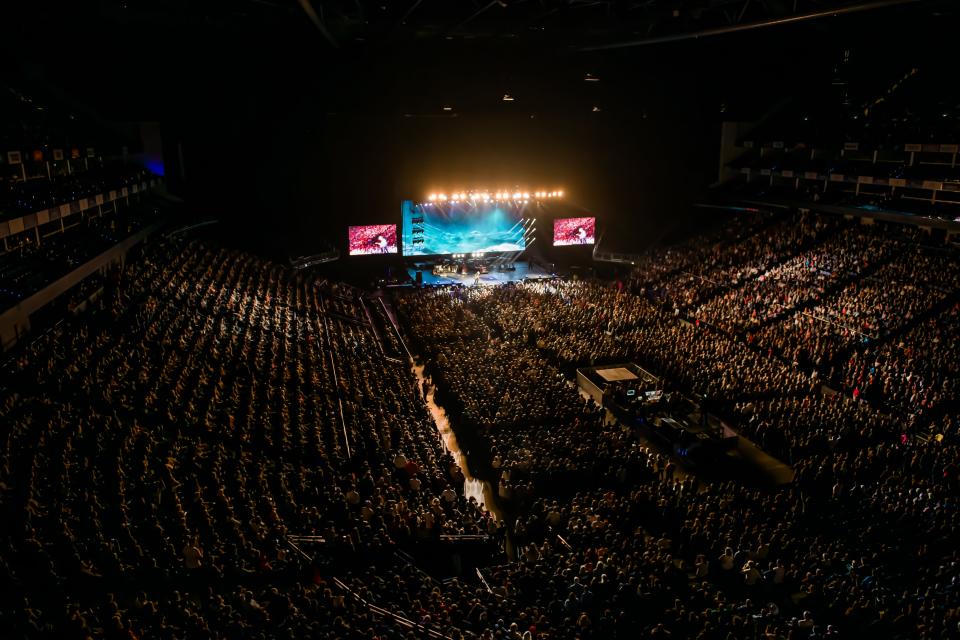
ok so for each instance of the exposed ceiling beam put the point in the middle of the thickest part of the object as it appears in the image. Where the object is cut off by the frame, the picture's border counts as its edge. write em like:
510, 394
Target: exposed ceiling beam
771, 22
318, 23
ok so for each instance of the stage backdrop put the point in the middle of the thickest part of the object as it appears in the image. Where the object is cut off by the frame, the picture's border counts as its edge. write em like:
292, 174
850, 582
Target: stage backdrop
445, 228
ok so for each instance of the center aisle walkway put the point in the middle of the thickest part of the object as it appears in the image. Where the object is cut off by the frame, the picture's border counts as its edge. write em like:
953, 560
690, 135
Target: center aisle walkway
472, 487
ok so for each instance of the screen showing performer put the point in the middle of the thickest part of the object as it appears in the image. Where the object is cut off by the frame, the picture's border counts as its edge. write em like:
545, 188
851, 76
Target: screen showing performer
568, 231
373, 239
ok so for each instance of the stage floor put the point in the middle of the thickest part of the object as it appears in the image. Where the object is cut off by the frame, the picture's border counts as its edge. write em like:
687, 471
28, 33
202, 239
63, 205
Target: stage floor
524, 271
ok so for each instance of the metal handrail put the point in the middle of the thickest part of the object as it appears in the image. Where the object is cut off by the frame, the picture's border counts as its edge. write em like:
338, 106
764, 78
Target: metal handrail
431, 633
336, 378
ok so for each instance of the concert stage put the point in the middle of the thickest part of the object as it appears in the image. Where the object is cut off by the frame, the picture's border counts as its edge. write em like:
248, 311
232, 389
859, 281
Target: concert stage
522, 271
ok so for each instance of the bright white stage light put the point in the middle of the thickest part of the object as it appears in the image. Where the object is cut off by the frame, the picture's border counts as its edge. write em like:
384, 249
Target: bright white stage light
517, 195
559, 194
432, 197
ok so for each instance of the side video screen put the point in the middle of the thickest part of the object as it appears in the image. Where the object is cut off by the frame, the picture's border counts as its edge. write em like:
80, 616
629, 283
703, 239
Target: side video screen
373, 239
569, 231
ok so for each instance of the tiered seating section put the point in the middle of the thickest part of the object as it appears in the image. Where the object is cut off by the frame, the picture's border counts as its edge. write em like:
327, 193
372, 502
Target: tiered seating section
613, 542
922, 179
159, 457
27, 267
176, 442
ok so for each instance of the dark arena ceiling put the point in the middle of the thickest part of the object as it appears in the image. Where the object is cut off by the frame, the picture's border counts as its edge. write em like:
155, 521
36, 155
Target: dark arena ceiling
432, 52
357, 104
574, 23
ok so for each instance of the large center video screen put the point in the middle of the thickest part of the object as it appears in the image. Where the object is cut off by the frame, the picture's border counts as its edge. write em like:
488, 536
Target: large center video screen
372, 239
485, 227
568, 231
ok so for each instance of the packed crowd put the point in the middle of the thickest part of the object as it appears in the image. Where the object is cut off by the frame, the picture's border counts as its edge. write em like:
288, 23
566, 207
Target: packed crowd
797, 281
822, 303
637, 551
225, 449
915, 372
629, 548
179, 437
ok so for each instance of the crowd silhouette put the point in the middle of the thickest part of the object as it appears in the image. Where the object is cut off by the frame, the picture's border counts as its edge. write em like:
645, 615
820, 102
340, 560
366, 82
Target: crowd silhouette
226, 448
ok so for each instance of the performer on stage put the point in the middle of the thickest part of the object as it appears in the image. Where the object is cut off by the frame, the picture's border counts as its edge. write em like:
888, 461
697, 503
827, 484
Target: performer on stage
476, 278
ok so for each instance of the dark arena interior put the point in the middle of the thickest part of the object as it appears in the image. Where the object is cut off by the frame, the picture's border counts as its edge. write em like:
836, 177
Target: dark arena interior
457, 319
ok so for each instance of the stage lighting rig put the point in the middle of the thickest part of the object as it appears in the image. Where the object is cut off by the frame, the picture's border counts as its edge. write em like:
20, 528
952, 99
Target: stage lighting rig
487, 196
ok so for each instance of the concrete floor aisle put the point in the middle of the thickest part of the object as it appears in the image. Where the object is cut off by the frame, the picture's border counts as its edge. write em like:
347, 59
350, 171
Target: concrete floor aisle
472, 487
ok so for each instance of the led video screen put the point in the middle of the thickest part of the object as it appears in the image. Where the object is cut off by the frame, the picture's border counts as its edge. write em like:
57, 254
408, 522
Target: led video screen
467, 227
373, 239
568, 231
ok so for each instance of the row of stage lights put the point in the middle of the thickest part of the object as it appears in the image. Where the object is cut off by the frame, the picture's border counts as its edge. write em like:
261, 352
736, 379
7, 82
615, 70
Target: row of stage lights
475, 254
487, 197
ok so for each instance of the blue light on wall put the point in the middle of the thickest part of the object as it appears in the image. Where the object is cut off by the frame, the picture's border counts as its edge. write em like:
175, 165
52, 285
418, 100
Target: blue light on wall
154, 166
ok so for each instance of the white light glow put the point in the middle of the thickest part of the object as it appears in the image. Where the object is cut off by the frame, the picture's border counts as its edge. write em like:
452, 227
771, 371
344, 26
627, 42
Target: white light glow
487, 196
